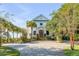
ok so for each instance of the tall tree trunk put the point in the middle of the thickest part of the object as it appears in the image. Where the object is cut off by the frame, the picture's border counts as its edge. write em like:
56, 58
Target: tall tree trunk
31, 33
17, 34
72, 40
17, 37
7, 36
0, 41
13, 36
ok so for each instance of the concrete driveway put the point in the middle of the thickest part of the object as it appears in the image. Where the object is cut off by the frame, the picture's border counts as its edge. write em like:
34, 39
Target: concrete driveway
40, 48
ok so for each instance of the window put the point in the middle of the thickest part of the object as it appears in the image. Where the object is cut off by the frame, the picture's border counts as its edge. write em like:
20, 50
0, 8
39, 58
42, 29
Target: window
47, 32
34, 33
41, 23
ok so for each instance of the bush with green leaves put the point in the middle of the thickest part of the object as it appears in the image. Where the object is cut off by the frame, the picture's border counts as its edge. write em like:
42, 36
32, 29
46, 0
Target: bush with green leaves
34, 38
48, 37
24, 40
76, 37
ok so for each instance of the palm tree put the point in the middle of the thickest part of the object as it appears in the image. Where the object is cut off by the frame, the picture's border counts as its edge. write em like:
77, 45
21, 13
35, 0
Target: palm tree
17, 30
6, 24
31, 24
20, 30
1, 30
9, 27
6, 27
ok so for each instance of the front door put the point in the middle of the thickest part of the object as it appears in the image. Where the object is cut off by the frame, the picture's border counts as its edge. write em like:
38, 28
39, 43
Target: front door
41, 33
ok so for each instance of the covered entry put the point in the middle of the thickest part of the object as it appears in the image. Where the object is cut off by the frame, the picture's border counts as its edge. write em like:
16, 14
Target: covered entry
41, 33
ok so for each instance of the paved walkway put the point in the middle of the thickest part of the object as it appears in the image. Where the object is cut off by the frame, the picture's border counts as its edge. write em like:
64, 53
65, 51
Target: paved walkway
40, 48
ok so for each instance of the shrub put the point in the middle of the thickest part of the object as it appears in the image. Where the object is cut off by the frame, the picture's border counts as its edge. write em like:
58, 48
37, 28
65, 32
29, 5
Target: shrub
34, 38
25, 39
3, 40
48, 37
76, 37
65, 37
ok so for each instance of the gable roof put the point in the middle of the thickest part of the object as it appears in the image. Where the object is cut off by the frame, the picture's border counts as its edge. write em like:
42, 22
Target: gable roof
40, 18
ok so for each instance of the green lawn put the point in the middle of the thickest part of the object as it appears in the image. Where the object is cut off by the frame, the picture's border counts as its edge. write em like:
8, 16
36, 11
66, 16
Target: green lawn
7, 51
69, 52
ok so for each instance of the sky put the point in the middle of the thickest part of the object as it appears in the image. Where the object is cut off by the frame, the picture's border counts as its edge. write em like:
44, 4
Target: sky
19, 13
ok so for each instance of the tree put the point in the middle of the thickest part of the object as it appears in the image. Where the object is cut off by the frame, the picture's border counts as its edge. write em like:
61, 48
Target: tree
55, 26
18, 30
31, 24
1, 30
24, 36
67, 17
3, 27
7, 25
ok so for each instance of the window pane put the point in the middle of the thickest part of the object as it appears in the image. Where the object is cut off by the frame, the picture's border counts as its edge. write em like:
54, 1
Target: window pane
47, 32
34, 32
41, 23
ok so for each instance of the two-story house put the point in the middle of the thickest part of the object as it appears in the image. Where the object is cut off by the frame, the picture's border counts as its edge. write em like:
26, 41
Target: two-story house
41, 27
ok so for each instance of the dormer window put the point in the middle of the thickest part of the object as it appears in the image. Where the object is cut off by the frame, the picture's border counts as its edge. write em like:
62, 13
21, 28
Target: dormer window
41, 23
